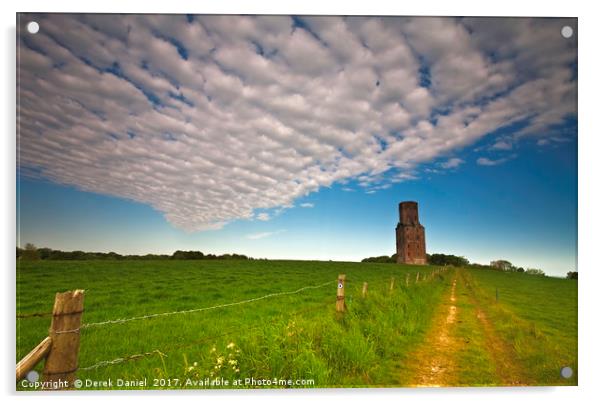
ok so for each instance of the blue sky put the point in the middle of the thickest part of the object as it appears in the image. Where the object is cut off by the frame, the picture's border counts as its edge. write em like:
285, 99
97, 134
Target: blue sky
296, 138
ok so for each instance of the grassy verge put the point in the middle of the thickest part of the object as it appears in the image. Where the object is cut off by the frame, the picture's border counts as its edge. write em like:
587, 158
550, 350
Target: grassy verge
536, 315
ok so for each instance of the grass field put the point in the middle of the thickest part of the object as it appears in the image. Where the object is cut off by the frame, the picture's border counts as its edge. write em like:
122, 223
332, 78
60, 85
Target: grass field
536, 316
383, 340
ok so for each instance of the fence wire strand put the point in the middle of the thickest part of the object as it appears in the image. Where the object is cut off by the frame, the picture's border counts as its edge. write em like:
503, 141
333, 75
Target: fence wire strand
124, 359
219, 306
29, 315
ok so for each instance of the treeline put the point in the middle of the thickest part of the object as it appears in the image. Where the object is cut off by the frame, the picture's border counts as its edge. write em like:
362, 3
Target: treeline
31, 252
459, 261
431, 259
447, 259
382, 259
507, 266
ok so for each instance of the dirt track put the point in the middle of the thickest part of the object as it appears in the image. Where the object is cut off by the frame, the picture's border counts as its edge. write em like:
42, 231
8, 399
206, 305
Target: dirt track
460, 328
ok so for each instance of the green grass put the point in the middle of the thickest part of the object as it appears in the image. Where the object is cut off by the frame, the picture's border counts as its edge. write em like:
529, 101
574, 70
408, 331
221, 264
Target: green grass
365, 347
535, 315
300, 336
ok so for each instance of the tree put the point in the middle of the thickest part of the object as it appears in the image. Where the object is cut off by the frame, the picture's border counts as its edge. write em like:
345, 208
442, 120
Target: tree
382, 259
30, 252
447, 259
113, 255
535, 271
571, 275
44, 253
503, 265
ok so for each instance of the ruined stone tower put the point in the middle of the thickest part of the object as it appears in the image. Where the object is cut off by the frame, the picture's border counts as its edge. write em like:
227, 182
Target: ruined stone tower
411, 246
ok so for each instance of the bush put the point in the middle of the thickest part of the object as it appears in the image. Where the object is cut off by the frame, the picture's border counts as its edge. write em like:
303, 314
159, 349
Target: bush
383, 259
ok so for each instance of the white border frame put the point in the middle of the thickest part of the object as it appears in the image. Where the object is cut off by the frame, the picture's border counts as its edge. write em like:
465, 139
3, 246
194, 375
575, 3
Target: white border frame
590, 132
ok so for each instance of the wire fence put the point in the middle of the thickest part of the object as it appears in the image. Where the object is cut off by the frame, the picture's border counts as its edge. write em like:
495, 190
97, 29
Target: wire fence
236, 330
125, 320
218, 306
172, 347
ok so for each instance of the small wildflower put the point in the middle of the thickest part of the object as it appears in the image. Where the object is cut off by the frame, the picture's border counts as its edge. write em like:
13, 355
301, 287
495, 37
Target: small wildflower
230, 345
213, 349
232, 362
237, 370
220, 360
190, 368
195, 364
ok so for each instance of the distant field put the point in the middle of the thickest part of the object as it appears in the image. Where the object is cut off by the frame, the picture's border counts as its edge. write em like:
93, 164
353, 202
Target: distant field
298, 336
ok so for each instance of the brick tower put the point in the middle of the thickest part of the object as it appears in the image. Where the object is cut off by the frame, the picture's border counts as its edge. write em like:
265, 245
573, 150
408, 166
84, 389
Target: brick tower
411, 246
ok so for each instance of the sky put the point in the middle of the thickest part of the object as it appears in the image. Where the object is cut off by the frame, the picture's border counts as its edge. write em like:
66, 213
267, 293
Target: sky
296, 137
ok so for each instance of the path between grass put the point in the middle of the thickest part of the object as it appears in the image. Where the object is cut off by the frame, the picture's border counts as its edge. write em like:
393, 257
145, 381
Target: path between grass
433, 363
462, 348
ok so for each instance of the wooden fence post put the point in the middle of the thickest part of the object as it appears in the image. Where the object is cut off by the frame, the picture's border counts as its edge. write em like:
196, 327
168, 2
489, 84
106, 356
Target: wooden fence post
417, 276
392, 284
61, 363
364, 290
33, 358
341, 293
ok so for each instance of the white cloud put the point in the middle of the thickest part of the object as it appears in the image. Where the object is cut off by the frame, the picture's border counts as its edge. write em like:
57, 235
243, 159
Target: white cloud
211, 120
306, 205
485, 161
551, 140
404, 177
263, 216
257, 236
452, 162
502, 144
